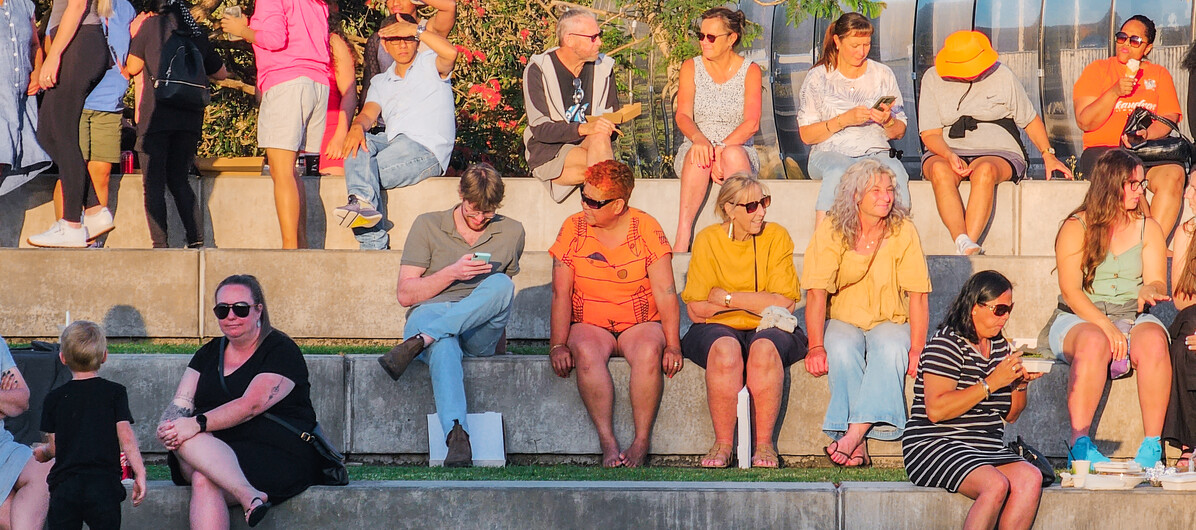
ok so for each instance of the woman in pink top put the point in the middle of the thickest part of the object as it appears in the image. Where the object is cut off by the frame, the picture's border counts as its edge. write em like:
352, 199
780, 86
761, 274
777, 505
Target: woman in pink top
290, 48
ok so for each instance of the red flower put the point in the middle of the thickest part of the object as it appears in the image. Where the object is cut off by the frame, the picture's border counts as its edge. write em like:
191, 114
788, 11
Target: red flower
481, 57
475, 88
523, 59
523, 33
481, 11
494, 84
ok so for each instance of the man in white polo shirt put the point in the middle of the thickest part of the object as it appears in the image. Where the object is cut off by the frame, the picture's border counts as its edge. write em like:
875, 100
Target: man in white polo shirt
415, 99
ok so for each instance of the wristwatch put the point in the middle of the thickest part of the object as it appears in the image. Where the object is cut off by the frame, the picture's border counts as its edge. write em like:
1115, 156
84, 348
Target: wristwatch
203, 422
1051, 150
421, 27
727, 300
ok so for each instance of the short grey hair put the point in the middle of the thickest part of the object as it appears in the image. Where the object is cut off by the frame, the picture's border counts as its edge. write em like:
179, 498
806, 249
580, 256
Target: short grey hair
567, 22
844, 213
733, 189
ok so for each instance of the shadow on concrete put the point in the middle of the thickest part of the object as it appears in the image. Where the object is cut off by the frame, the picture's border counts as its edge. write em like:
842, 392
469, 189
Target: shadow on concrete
317, 218
15, 204
527, 312
124, 321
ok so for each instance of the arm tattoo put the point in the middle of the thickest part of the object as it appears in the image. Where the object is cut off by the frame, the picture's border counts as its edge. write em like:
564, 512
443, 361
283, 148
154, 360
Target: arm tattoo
274, 391
175, 411
671, 290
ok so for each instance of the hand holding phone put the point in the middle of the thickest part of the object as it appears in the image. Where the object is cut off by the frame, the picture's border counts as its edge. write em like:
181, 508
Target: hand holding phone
884, 100
483, 257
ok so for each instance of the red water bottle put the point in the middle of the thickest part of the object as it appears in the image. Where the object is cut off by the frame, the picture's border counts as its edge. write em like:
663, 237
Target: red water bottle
126, 471
126, 162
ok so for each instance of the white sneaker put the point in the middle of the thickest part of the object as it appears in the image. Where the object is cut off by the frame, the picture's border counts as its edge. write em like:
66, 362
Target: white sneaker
964, 246
60, 235
99, 223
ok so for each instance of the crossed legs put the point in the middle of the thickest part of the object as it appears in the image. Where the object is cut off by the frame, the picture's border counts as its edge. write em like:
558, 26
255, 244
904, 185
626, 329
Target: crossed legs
216, 481
642, 345
593, 149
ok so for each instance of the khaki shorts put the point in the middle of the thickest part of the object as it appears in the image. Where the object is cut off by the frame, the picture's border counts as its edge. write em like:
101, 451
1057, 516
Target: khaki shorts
99, 136
292, 116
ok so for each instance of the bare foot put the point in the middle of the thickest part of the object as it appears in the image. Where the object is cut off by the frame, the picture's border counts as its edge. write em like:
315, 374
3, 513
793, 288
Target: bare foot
636, 454
844, 450
611, 456
860, 457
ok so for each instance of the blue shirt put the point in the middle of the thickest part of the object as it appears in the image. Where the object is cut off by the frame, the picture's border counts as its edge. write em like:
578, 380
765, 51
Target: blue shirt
109, 94
418, 105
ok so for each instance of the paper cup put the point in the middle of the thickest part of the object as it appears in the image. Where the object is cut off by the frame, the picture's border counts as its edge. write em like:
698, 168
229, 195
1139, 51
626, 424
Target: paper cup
1080, 469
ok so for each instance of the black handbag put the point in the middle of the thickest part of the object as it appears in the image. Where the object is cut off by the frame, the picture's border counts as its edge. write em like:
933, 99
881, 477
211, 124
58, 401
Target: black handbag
332, 469
1035, 457
1166, 149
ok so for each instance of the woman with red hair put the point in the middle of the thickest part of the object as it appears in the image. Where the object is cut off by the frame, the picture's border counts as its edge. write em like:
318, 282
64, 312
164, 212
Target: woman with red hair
613, 294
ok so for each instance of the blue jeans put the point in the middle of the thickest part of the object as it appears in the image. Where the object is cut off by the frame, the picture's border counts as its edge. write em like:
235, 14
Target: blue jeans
829, 166
867, 378
471, 326
395, 164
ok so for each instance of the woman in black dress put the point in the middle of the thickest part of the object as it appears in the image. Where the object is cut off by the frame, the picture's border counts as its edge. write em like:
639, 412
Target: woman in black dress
219, 441
969, 384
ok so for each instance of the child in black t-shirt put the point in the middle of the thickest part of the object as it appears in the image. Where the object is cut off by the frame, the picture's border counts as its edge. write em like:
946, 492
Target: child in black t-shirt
88, 424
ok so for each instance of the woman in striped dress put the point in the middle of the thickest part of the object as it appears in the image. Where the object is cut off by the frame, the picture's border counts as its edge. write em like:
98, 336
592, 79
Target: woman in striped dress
970, 382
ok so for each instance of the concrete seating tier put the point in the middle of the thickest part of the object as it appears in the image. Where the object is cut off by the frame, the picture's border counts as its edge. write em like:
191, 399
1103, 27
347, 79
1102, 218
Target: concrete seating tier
341, 294
376, 419
239, 212
665, 505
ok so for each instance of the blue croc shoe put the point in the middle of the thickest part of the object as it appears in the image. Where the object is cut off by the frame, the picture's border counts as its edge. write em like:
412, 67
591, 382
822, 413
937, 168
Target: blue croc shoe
1150, 452
1084, 449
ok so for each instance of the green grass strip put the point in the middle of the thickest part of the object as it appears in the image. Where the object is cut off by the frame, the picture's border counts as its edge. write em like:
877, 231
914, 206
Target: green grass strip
588, 473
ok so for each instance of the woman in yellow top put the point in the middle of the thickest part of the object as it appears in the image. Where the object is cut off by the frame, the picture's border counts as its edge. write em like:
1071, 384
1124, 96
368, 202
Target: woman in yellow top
739, 268
866, 258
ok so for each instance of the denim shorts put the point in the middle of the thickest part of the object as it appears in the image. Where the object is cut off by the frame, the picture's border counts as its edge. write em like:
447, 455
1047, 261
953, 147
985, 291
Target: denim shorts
1065, 321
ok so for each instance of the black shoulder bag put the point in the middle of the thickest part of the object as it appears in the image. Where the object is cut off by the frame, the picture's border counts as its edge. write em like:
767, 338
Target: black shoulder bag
1175, 149
332, 472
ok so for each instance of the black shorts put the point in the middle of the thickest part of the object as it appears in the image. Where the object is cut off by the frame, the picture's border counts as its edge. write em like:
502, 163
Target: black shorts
86, 498
1089, 156
696, 343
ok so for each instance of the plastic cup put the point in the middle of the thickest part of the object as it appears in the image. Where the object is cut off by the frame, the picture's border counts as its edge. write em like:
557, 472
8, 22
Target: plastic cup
1079, 468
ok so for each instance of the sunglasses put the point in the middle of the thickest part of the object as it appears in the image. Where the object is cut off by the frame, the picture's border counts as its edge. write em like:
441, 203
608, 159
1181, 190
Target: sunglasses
241, 309
999, 309
592, 38
764, 201
1134, 41
401, 39
710, 37
1138, 185
594, 204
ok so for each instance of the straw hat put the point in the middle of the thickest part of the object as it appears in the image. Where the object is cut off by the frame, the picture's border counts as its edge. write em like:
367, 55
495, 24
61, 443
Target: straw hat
965, 54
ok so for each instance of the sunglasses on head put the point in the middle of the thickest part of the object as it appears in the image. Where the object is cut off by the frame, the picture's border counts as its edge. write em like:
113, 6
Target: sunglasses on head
594, 204
241, 309
411, 38
764, 201
1134, 41
999, 309
592, 38
710, 37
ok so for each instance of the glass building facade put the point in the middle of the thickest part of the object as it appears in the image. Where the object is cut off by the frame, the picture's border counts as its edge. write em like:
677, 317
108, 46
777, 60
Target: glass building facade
1047, 43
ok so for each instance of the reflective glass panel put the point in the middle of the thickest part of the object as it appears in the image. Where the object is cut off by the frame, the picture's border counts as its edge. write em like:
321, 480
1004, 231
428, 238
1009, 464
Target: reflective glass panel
792, 57
1074, 34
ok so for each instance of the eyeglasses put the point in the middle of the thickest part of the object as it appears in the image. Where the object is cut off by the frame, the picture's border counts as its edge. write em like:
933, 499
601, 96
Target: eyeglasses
475, 214
592, 38
710, 37
999, 309
1134, 41
241, 309
751, 206
1138, 185
411, 38
594, 204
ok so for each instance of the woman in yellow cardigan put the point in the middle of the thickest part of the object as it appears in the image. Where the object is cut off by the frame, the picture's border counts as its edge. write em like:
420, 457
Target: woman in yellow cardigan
740, 269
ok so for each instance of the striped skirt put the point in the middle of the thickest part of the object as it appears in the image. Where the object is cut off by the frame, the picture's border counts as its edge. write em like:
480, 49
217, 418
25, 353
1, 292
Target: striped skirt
945, 462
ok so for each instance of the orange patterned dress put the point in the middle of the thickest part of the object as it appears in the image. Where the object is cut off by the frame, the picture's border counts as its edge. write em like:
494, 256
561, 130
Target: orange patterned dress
610, 285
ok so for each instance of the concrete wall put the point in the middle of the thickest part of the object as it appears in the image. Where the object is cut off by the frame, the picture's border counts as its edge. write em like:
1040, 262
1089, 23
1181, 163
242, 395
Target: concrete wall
239, 212
498, 504
344, 294
368, 414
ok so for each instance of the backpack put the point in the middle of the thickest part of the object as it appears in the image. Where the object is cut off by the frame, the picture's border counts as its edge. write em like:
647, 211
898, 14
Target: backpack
182, 81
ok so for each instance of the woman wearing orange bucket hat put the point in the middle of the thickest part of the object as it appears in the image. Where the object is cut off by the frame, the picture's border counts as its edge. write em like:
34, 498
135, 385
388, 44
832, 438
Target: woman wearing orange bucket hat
971, 108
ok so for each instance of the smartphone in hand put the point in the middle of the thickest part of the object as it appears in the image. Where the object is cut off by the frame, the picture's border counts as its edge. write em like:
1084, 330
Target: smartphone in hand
483, 257
884, 100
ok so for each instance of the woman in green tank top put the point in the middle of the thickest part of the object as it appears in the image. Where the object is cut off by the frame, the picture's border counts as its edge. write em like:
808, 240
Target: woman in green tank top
1112, 264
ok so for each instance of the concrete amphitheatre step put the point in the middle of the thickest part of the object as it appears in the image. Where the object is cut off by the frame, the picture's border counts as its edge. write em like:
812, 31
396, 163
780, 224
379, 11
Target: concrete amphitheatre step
377, 420
665, 505
342, 294
238, 212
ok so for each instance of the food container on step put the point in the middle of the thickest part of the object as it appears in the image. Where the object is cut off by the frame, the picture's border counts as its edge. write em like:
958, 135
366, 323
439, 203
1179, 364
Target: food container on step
1037, 365
1179, 482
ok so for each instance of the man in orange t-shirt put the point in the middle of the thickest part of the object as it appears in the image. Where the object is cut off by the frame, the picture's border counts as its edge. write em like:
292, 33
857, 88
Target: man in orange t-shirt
1105, 95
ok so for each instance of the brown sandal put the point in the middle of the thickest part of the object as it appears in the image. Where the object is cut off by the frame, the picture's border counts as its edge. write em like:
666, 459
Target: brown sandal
766, 457
720, 454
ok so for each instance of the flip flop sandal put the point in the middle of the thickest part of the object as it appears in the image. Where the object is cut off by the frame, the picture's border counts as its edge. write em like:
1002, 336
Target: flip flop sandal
767, 454
717, 451
257, 513
836, 450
